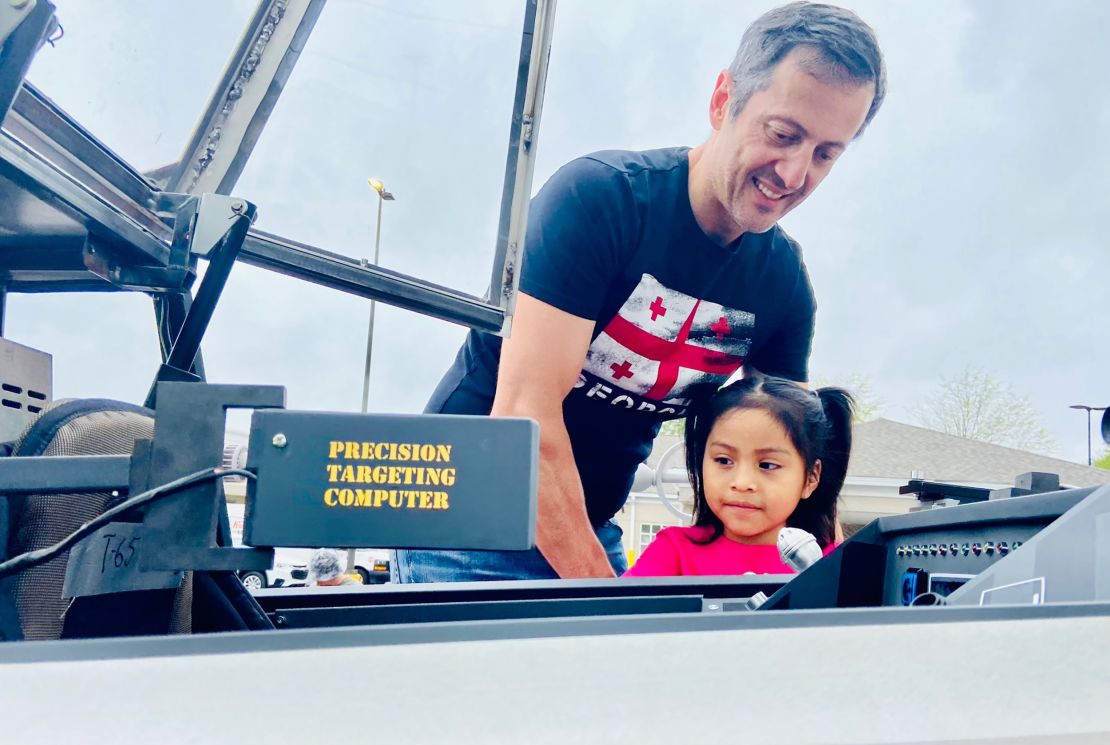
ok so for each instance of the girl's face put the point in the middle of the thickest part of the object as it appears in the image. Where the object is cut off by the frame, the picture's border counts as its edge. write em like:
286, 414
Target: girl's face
753, 476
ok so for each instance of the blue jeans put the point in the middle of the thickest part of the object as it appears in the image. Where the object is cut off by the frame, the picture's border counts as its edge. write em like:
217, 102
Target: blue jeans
475, 566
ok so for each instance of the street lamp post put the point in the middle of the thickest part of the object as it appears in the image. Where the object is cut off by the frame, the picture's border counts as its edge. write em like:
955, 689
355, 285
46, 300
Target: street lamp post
383, 196
1088, 409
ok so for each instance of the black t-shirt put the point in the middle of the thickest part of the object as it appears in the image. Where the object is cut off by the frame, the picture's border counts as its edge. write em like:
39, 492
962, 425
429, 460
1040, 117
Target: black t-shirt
612, 238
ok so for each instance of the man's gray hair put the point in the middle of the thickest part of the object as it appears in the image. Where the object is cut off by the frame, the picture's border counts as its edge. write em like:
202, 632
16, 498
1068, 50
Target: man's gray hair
845, 50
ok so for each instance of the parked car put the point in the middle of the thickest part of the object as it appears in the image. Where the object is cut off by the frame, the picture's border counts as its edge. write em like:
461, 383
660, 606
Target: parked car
290, 570
372, 565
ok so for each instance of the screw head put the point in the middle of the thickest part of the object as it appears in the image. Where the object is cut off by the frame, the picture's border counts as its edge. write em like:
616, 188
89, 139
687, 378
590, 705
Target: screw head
279, 440
238, 206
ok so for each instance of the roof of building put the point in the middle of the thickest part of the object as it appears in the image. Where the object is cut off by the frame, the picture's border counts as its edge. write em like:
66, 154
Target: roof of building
882, 448
887, 449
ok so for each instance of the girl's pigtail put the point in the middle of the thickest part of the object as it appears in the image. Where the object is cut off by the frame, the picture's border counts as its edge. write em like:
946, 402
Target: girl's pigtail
839, 408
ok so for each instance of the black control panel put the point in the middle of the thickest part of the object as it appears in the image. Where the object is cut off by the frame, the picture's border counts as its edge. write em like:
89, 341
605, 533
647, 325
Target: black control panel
943, 560
896, 560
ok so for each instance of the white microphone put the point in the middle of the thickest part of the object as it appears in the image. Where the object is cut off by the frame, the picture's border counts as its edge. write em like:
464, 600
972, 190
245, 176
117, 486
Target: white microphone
798, 549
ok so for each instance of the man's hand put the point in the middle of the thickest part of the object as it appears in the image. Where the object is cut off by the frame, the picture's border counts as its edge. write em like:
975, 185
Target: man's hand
540, 363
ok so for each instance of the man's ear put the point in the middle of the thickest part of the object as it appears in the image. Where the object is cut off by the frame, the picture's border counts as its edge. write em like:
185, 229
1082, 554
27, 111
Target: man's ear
720, 101
812, 480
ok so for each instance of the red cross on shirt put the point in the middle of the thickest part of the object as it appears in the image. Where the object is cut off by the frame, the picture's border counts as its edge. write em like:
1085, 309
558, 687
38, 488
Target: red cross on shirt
623, 370
672, 355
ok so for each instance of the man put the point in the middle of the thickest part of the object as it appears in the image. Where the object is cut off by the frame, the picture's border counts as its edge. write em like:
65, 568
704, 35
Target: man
650, 276
326, 571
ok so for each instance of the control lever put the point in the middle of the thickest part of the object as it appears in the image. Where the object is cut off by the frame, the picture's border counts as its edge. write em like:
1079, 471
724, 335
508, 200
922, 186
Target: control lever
798, 549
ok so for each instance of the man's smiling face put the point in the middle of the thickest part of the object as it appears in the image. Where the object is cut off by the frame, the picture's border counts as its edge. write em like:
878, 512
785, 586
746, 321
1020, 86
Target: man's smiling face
772, 155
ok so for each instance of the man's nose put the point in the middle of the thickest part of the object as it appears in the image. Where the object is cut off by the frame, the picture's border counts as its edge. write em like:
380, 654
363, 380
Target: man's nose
793, 168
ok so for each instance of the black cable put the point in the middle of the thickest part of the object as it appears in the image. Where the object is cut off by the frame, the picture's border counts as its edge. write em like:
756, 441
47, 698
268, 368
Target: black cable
56, 35
38, 556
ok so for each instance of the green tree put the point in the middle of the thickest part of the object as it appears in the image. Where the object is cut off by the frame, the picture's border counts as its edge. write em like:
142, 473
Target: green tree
868, 403
1104, 461
976, 405
673, 427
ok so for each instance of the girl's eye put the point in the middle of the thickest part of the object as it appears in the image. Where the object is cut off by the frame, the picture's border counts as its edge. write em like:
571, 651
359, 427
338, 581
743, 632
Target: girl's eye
722, 460
769, 466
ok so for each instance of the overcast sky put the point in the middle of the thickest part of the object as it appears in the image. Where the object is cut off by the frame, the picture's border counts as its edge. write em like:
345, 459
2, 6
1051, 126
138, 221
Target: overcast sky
965, 228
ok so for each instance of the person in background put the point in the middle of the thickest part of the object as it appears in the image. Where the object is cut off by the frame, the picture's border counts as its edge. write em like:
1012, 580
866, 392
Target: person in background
326, 571
762, 454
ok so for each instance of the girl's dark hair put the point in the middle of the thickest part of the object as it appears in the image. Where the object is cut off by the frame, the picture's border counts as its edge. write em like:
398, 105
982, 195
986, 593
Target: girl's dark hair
819, 424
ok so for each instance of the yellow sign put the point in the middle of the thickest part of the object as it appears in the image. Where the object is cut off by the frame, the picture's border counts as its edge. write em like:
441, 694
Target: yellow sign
376, 463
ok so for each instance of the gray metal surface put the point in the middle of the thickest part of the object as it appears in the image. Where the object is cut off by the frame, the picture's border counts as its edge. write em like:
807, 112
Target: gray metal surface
40, 123
728, 678
328, 617
311, 264
26, 386
535, 49
708, 588
245, 97
76, 200
81, 218
24, 26
60, 184
54, 474
1067, 561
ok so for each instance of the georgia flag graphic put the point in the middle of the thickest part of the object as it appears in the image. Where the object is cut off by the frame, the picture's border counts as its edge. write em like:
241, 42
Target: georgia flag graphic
660, 343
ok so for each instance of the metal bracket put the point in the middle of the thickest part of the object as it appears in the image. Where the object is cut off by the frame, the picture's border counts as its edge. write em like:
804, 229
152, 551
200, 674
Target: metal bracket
24, 26
213, 228
188, 436
105, 264
213, 221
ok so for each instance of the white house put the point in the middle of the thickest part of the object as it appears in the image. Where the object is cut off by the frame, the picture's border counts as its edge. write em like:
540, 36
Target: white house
885, 456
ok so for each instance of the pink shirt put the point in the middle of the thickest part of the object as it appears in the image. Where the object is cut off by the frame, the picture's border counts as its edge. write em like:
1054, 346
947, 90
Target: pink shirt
672, 553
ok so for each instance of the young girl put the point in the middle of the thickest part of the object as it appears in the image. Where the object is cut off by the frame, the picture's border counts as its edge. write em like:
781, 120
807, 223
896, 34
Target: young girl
762, 453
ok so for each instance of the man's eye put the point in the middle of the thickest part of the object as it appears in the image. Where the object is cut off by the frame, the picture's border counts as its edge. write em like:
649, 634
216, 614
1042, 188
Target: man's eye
826, 155
783, 138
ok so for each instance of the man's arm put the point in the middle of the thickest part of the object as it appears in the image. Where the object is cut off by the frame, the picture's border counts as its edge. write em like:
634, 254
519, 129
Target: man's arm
540, 363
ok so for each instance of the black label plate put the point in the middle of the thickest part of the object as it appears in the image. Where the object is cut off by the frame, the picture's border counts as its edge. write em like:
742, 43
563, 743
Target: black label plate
391, 481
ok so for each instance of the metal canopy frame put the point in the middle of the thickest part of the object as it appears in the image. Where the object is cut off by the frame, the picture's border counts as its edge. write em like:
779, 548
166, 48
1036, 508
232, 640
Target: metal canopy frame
245, 97
77, 217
